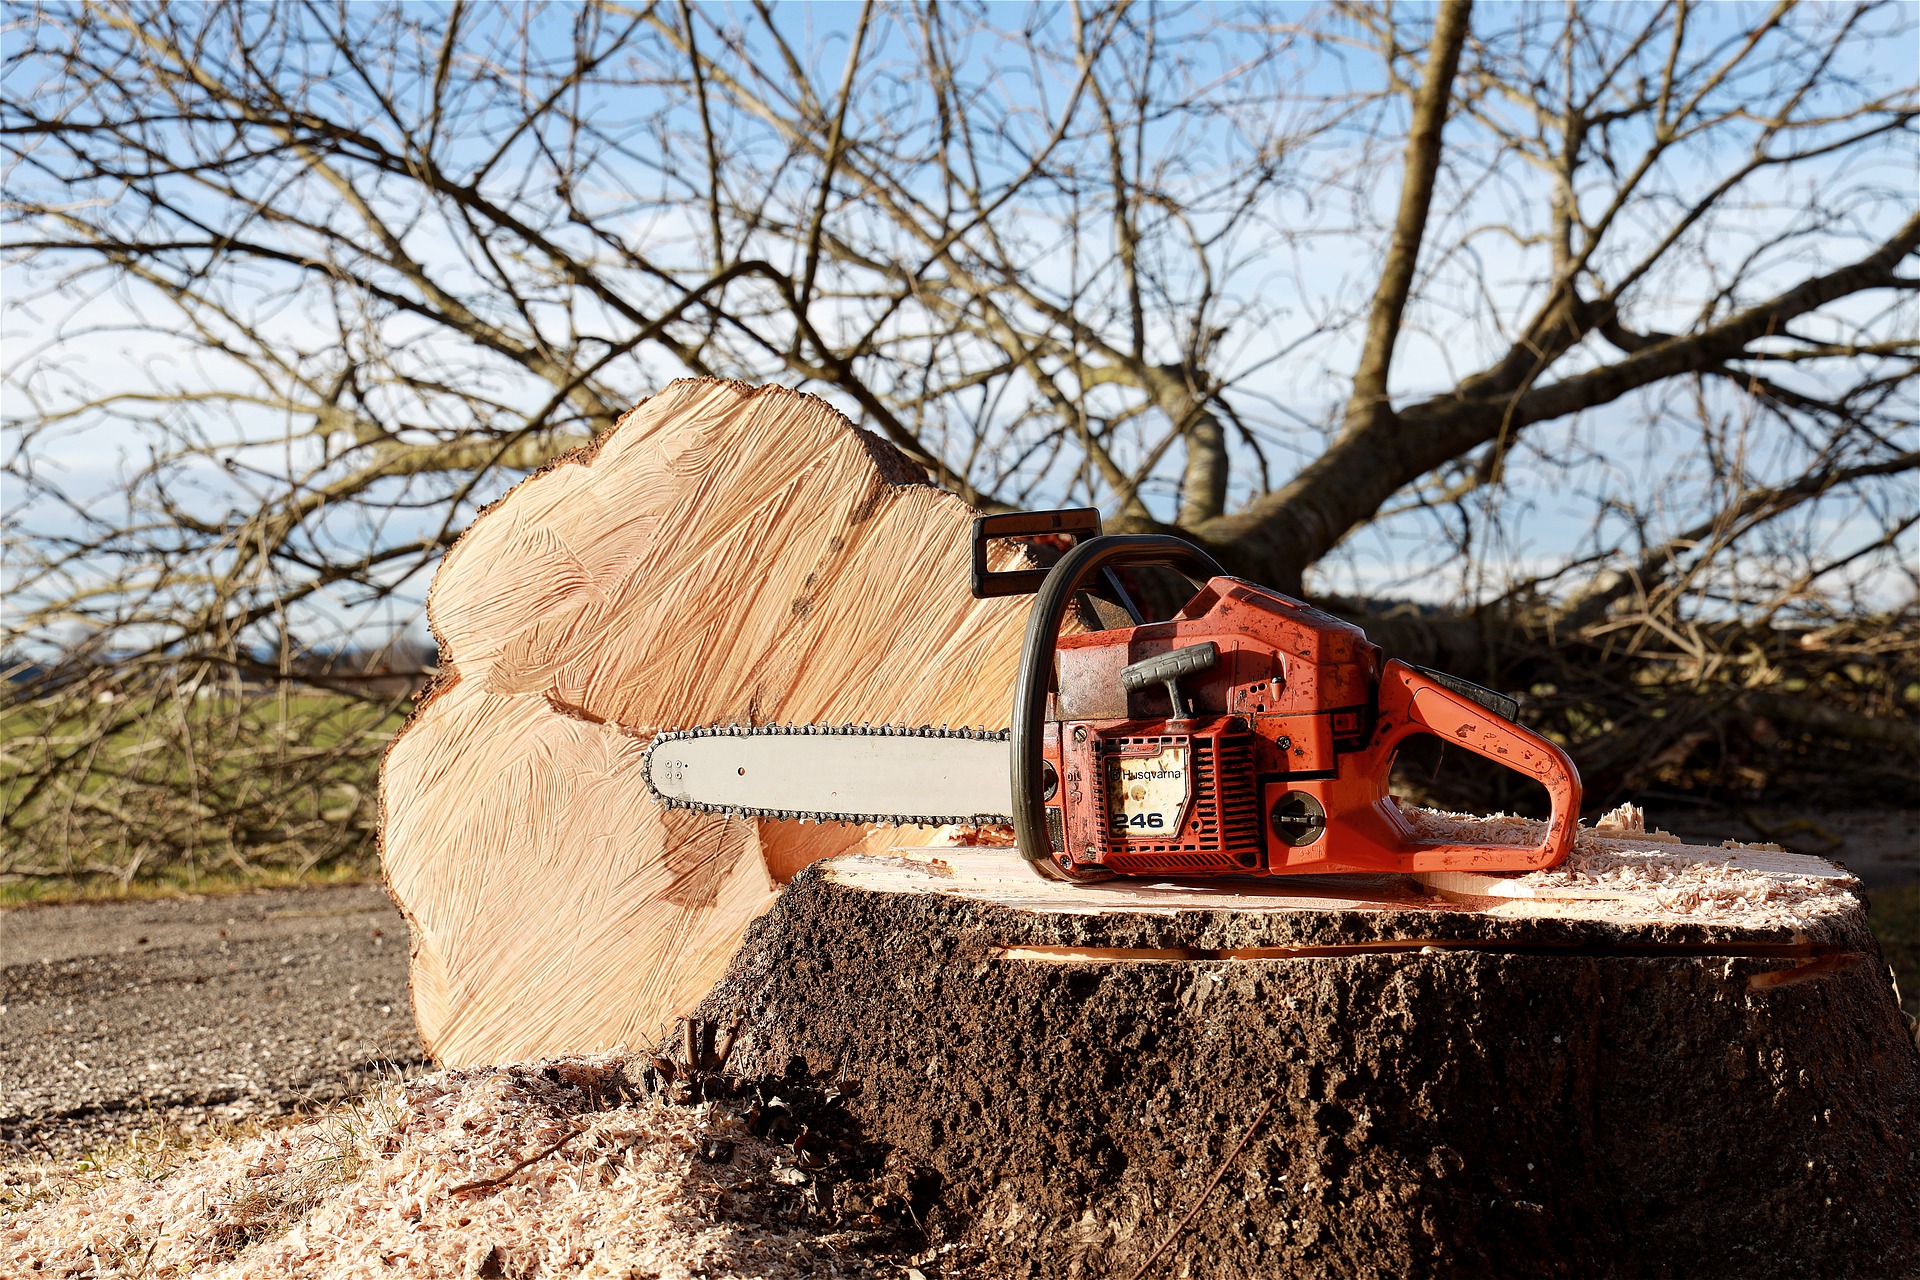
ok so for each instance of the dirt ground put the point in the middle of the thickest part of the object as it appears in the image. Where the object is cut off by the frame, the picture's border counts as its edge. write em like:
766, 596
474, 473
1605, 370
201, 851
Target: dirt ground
114, 1016
118, 1015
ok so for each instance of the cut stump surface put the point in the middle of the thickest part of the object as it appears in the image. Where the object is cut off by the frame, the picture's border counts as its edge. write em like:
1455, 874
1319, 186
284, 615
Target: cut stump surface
1460, 1085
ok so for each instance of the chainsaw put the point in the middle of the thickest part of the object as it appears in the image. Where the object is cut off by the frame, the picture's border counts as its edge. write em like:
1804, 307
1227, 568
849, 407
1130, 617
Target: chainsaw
1249, 735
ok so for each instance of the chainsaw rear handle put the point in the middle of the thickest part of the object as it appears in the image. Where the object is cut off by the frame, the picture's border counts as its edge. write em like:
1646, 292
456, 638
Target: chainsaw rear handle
1413, 702
1036, 665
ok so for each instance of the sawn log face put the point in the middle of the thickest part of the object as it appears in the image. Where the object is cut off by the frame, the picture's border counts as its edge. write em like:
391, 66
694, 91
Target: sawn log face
1592, 1107
726, 555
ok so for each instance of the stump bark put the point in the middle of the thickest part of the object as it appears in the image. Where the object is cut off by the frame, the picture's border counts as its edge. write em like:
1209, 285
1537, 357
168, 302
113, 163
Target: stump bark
1386, 1080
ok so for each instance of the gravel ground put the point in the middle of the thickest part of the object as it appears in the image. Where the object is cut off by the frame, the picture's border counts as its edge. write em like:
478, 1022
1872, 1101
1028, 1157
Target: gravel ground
119, 1015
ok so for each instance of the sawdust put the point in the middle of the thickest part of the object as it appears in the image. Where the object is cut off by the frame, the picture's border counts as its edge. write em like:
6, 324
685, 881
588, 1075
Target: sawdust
1651, 874
630, 1184
1619, 869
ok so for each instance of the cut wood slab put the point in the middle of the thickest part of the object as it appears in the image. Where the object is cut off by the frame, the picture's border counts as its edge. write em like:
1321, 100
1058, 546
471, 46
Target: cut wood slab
1352, 1077
725, 555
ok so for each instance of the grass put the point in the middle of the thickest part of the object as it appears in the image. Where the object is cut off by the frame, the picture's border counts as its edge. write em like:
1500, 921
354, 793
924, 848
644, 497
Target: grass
163, 794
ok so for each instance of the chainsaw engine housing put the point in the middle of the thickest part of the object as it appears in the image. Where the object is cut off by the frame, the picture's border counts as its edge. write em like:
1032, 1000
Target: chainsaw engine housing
1148, 788
1250, 734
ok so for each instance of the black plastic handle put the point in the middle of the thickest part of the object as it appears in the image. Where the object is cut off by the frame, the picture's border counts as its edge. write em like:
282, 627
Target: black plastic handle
1174, 664
1036, 667
1082, 524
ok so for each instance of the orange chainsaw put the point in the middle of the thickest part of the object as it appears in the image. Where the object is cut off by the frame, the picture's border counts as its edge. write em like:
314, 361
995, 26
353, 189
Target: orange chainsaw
1249, 735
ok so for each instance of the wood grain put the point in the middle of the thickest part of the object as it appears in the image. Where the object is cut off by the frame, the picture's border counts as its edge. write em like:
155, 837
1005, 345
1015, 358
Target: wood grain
725, 555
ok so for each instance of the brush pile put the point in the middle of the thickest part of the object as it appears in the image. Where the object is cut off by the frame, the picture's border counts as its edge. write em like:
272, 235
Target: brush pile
604, 1166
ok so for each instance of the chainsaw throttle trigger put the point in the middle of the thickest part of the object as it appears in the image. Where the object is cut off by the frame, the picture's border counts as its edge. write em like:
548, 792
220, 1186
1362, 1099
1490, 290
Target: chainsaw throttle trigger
1168, 668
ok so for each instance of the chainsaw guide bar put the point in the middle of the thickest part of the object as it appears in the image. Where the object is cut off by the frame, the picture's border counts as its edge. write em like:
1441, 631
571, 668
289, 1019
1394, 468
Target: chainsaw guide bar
835, 773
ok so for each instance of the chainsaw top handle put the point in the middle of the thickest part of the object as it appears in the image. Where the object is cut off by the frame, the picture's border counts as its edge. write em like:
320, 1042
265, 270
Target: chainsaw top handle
1036, 663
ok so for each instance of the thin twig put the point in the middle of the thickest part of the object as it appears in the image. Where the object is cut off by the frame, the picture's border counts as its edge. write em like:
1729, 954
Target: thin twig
724, 1049
499, 1178
1205, 1191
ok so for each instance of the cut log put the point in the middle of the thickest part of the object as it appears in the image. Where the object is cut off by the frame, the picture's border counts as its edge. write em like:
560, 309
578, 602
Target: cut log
1702, 1073
725, 555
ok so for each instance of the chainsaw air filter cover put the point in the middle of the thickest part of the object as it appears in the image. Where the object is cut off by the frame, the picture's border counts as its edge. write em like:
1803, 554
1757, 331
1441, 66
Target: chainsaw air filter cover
1160, 800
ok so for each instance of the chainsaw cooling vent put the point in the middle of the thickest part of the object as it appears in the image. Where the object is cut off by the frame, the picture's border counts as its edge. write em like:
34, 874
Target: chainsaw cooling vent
1222, 832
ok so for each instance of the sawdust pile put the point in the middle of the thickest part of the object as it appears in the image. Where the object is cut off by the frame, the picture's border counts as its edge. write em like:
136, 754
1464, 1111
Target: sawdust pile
1641, 873
411, 1181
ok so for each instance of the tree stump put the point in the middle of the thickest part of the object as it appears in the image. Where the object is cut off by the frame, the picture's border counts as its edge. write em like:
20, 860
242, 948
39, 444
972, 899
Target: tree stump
1652, 1062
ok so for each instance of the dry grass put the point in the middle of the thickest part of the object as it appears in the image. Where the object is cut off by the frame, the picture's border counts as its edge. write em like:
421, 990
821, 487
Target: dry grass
177, 882
155, 771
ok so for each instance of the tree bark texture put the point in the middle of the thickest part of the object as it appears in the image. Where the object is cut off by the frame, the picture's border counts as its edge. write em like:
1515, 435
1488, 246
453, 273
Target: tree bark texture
1386, 1081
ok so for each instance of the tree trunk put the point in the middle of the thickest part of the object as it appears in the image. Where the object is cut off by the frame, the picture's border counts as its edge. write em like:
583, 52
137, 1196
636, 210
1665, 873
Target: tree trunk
1650, 1063
725, 555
